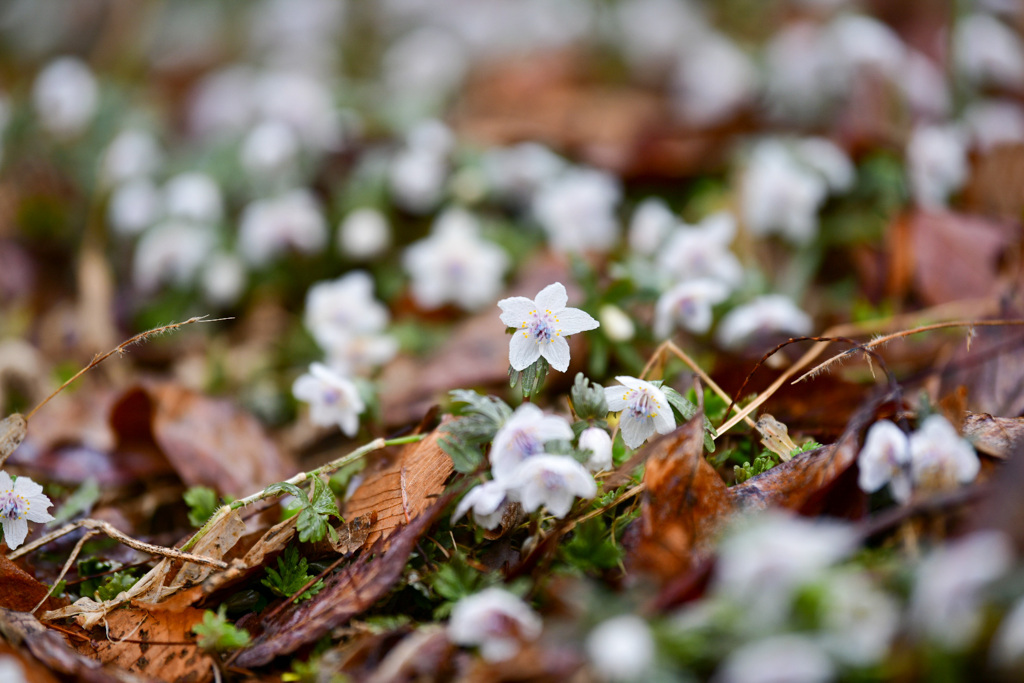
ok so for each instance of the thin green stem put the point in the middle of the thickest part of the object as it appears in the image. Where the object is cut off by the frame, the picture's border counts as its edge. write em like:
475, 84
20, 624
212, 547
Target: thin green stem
298, 479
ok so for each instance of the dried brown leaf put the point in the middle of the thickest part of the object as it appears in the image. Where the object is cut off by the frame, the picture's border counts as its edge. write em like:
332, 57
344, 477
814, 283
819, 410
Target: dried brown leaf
995, 436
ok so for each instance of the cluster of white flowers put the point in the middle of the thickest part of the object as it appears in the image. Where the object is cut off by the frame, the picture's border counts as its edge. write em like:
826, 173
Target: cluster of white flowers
933, 458
21, 501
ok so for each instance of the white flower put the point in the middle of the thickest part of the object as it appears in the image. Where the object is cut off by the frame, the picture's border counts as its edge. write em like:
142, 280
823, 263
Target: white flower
885, 459
360, 353
222, 103
302, 102
768, 314
688, 305
21, 502
337, 310
193, 196
599, 443
134, 206
860, 621
712, 80
621, 648
769, 557
994, 122
937, 163
173, 252
65, 95
939, 458
644, 410
947, 598
516, 172
989, 52
650, 226
132, 153
364, 234
651, 31
702, 251
797, 62
418, 172
617, 325
270, 149
786, 658
925, 86
541, 326
223, 278
863, 42
779, 195
269, 226
487, 501
496, 621
454, 264
424, 65
831, 162
332, 399
523, 436
553, 481
577, 211
11, 670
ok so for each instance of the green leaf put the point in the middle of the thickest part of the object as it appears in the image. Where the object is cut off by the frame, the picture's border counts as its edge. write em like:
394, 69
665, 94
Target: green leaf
592, 547
202, 503
687, 410
283, 488
79, 502
291, 575
465, 458
588, 399
530, 378
115, 585
217, 635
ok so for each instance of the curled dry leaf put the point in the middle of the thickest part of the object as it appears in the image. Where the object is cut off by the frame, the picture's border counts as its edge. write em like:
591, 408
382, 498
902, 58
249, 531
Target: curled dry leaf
995, 436
19, 591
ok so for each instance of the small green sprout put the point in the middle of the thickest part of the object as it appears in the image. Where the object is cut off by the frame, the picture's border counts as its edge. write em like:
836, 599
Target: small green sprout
202, 503
217, 635
291, 575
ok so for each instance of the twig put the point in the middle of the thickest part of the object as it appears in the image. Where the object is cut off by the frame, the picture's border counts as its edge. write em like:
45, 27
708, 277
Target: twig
120, 349
67, 566
109, 530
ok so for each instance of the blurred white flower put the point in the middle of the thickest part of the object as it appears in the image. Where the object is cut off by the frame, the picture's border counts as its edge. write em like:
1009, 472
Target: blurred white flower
702, 252
333, 399
170, 252
418, 172
487, 501
765, 559
522, 437
925, 86
577, 211
939, 458
268, 227
936, 163
21, 501
712, 80
360, 353
11, 670
337, 310
885, 459
541, 326
768, 314
621, 648
65, 95
494, 620
831, 162
302, 102
193, 196
860, 41
223, 102
947, 599
364, 234
269, 150
798, 79
992, 123
454, 264
553, 481
788, 658
650, 226
134, 206
131, 154
617, 325
424, 66
779, 195
514, 173
652, 32
1007, 648
223, 278
859, 620
645, 410
989, 52
599, 443
688, 305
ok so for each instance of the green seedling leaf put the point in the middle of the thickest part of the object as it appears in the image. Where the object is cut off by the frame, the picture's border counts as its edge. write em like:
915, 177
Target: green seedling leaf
217, 635
291, 575
588, 401
202, 503
78, 503
687, 410
592, 547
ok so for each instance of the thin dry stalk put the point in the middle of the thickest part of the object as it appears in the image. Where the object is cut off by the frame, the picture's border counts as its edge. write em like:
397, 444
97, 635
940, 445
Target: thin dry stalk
67, 566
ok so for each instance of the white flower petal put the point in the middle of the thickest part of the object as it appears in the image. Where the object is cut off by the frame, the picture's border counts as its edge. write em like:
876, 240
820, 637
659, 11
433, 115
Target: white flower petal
6, 484
636, 430
573, 320
614, 397
15, 531
522, 351
552, 298
664, 420
557, 353
515, 310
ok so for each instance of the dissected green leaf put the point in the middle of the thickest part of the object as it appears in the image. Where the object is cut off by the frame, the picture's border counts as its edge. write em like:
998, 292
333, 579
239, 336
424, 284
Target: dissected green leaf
217, 635
291, 575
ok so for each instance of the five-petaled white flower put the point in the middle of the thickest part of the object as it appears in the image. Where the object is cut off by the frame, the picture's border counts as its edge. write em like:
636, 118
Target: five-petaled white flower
332, 398
644, 410
487, 501
21, 502
495, 620
541, 327
523, 436
688, 305
553, 481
